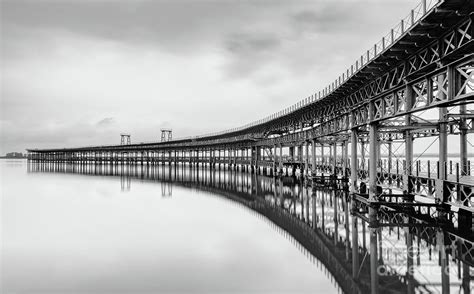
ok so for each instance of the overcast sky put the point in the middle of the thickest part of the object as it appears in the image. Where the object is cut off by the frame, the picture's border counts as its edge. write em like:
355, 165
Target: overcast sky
78, 72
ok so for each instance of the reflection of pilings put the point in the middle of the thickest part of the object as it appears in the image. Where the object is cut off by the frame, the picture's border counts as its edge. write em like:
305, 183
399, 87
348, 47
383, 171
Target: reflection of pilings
239, 185
313, 202
374, 265
346, 226
443, 262
166, 189
307, 203
410, 267
466, 278
336, 223
323, 218
125, 180
311, 241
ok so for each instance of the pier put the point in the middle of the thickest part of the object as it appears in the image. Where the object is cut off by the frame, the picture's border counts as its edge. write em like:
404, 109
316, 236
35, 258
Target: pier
362, 139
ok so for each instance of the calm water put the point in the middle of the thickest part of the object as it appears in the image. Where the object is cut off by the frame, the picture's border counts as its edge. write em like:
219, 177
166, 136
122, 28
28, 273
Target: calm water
156, 229
72, 233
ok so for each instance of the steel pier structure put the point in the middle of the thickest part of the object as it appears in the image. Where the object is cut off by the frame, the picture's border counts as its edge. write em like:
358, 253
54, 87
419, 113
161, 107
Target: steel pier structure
367, 132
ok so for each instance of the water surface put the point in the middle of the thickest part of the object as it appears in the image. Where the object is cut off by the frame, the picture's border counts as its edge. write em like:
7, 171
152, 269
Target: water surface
75, 233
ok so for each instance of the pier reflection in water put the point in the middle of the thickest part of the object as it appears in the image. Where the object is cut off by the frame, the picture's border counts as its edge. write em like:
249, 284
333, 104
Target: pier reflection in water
359, 246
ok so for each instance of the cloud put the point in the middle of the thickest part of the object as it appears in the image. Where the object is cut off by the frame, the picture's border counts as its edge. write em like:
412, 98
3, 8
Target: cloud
107, 121
326, 19
241, 43
244, 50
182, 27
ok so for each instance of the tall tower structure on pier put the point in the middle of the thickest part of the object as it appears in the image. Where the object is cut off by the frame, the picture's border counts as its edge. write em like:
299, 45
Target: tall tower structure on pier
125, 139
166, 135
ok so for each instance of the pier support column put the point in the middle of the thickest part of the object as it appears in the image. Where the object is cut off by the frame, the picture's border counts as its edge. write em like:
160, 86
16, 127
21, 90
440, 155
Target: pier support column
407, 170
334, 161
292, 156
224, 157
345, 159
248, 159
323, 160
354, 167
234, 158
240, 157
306, 159
200, 157
441, 193
465, 217
212, 158
353, 190
219, 159
463, 128
313, 153
275, 159
280, 160
253, 154
258, 158
374, 146
300, 159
